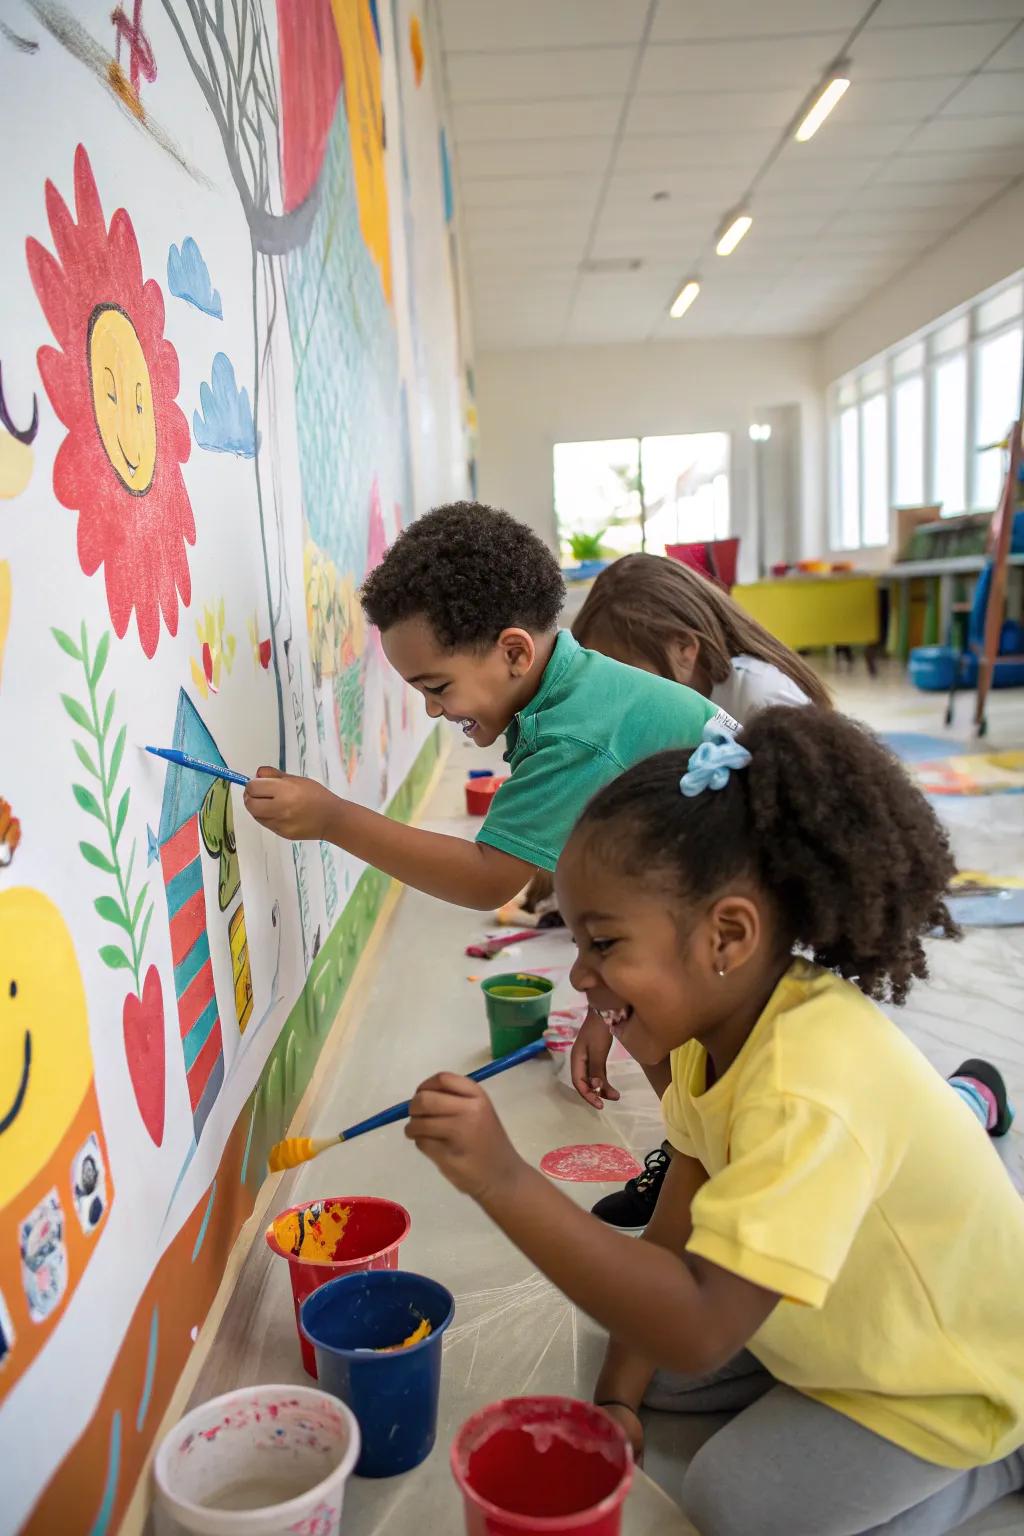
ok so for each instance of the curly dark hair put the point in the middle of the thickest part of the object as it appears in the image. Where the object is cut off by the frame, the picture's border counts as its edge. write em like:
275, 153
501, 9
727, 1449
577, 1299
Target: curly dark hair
852, 857
471, 571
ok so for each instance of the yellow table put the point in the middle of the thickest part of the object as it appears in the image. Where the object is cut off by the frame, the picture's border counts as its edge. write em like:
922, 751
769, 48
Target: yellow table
809, 613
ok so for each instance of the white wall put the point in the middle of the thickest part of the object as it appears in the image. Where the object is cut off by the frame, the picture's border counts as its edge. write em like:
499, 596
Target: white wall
982, 252
531, 399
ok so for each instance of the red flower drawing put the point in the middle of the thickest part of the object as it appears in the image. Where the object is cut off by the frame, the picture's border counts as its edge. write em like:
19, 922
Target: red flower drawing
113, 384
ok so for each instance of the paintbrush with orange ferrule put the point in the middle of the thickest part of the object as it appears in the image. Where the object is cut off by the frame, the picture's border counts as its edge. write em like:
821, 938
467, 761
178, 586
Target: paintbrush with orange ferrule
299, 1149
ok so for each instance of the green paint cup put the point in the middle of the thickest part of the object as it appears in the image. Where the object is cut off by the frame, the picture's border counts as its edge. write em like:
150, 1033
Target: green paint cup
518, 1005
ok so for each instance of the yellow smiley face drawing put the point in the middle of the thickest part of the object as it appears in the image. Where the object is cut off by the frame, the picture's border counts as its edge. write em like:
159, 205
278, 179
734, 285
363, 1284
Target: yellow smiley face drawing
45, 1058
122, 398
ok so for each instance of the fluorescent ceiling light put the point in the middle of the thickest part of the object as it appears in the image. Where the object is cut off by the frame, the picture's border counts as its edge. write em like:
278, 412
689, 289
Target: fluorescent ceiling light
828, 97
684, 298
759, 431
732, 232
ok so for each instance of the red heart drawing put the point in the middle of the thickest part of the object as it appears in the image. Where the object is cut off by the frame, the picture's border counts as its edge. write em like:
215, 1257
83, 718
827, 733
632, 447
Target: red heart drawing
143, 1022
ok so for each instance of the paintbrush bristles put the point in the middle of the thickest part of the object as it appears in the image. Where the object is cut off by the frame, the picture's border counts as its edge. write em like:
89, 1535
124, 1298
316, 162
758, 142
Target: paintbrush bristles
297, 1149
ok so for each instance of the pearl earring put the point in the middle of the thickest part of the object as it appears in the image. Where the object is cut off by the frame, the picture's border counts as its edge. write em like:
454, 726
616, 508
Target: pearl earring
722, 972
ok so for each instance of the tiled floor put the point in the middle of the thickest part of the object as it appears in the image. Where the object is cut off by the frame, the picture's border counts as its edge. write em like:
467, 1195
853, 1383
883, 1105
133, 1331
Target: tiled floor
513, 1333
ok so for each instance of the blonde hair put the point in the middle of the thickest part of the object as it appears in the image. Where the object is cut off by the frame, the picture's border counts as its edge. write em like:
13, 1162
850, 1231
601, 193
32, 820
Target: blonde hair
648, 602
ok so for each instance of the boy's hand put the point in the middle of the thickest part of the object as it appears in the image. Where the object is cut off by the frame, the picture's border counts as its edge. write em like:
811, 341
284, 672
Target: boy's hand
291, 806
588, 1061
453, 1121
632, 1424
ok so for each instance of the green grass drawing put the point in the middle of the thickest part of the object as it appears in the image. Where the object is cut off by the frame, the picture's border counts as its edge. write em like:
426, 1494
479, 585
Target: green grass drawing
125, 912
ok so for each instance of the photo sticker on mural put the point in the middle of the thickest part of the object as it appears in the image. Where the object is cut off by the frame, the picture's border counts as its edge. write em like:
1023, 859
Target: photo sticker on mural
89, 1185
6, 1332
44, 1257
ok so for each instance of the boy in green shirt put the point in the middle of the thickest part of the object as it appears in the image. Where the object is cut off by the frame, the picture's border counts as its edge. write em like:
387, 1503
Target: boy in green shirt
467, 603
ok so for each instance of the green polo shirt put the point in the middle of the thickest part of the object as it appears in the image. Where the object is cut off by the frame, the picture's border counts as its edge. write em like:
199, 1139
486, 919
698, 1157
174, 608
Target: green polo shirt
590, 720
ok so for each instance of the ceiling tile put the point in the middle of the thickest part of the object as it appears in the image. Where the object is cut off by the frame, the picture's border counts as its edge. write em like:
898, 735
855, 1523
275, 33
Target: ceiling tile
917, 168
716, 182
930, 194
842, 138
795, 62
530, 192
1011, 54
666, 152
496, 158
902, 13
700, 112
893, 101
794, 171
988, 95
580, 117
680, 20
879, 221
896, 53
954, 134
538, 74
486, 25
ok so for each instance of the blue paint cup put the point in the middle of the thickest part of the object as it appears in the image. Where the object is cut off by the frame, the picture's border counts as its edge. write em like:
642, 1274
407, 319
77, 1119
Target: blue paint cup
354, 1324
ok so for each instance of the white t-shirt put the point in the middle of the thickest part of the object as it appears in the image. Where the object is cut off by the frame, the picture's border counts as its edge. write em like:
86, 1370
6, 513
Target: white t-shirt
753, 685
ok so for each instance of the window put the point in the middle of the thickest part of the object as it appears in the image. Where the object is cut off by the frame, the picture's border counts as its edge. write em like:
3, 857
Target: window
923, 422
875, 471
998, 364
949, 456
616, 497
908, 442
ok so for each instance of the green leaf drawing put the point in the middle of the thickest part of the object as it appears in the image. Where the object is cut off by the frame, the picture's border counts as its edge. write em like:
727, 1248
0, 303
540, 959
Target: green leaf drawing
126, 909
99, 860
122, 812
100, 659
66, 644
115, 958
87, 800
145, 926
77, 713
108, 908
115, 758
85, 760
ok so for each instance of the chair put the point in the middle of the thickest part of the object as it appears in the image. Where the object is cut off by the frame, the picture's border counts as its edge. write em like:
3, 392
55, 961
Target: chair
717, 559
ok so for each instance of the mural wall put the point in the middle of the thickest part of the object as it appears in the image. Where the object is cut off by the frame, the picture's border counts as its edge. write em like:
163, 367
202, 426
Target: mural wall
233, 365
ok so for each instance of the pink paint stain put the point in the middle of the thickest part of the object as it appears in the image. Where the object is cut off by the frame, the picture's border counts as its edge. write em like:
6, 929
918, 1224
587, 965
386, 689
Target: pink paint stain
598, 1163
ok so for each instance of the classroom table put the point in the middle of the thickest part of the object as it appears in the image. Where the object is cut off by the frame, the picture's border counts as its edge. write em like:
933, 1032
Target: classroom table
813, 612
941, 577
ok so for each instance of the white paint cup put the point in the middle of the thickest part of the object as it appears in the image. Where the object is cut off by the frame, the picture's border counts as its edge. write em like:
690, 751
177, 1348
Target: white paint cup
266, 1461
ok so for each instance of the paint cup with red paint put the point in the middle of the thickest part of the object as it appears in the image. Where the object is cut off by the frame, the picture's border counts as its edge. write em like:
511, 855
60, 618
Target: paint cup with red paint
343, 1235
480, 792
262, 1461
542, 1464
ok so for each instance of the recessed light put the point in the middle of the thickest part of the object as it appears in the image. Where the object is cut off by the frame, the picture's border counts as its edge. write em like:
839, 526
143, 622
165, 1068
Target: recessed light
684, 298
607, 264
830, 94
731, 231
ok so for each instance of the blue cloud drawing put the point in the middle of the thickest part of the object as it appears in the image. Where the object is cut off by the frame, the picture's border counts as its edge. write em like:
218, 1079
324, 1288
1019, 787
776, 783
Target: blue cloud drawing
226, 424
188, 278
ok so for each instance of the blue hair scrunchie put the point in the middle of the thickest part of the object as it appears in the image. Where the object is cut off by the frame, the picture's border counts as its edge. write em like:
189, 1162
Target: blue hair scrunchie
712, 762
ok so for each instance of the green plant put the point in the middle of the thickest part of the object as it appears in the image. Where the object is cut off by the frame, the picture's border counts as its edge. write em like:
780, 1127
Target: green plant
587, 546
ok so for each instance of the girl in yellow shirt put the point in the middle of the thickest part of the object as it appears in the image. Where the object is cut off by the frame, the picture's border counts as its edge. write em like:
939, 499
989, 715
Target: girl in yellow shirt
837, 1254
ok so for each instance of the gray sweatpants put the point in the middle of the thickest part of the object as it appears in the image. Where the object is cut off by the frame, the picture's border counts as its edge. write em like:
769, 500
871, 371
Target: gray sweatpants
785, 1465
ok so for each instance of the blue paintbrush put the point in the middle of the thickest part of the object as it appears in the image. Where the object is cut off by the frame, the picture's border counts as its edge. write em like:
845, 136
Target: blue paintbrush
299, 1149
172, 755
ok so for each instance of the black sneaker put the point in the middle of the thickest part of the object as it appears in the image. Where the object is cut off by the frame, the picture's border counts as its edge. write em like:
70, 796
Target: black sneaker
631, 1208
984, 1072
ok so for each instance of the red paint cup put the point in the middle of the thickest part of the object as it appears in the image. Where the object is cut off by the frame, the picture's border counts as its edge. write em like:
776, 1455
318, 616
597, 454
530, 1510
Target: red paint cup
371, 1238
542, 1464
480, 793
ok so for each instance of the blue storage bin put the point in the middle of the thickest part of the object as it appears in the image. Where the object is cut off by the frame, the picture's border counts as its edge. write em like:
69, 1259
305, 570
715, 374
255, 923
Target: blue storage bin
933, 668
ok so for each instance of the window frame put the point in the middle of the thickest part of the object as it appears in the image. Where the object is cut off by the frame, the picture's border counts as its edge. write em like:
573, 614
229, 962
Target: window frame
852, 390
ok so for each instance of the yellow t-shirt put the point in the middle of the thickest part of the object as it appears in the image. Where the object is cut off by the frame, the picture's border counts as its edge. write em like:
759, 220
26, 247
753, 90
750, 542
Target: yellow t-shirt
846, 1175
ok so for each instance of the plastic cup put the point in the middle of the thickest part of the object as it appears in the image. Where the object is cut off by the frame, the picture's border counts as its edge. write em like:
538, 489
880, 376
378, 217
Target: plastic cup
480, 792
542, 1464
261, 1461
372, 1235
354, 1324
518, 1007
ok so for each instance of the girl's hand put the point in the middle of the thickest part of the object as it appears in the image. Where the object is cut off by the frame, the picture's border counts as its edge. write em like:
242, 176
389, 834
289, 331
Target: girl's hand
293, 807
588, 1060
631, 1423
453, 1121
